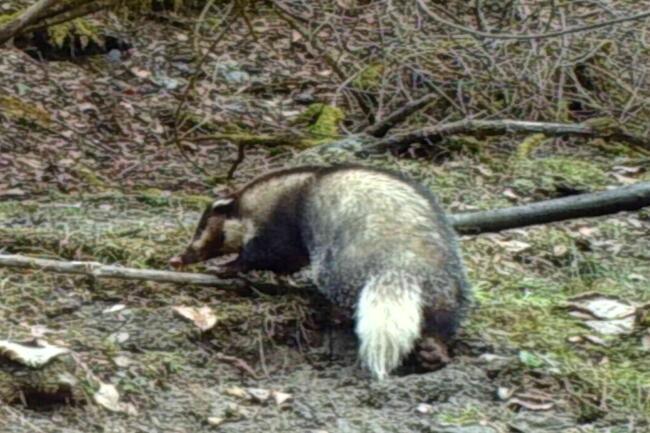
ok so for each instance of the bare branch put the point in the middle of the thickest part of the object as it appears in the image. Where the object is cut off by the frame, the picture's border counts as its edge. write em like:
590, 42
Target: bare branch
500, 127
67, 14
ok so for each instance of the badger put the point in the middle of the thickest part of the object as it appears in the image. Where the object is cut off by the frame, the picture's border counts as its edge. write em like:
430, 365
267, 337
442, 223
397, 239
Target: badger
379, 245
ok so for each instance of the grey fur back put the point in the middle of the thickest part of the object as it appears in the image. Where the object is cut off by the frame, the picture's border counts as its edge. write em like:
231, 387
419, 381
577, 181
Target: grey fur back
360, 222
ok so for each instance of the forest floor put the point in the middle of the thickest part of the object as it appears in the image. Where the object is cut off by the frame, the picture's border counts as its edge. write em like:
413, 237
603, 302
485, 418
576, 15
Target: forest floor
88, 174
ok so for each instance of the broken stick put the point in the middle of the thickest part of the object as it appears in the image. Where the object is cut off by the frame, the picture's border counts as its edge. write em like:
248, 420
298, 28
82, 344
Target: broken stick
100, 270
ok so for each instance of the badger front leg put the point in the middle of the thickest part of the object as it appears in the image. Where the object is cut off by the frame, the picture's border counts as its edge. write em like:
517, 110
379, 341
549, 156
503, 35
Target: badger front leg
230, 269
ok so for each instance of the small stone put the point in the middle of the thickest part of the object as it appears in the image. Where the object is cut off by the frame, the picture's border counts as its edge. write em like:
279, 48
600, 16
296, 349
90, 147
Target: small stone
424, 408
504, 393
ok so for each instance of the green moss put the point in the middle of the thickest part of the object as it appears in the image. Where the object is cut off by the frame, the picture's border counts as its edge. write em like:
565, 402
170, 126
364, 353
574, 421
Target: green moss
548, 174
465, 415
81, 27
88, 175
322, 120
14, 107
464, 143
530, 143
5, 18
370, 77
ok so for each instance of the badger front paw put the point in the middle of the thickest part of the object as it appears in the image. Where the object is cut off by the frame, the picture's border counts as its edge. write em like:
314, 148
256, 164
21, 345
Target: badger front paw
225, 271
228, 270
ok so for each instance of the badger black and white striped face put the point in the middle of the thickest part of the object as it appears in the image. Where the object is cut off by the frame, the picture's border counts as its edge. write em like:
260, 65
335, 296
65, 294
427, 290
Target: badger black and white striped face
220, 231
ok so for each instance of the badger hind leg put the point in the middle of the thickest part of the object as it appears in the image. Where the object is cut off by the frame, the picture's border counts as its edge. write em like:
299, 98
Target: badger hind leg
388, 321
439, 328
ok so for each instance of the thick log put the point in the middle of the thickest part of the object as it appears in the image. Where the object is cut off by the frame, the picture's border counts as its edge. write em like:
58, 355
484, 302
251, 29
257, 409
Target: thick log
626, 198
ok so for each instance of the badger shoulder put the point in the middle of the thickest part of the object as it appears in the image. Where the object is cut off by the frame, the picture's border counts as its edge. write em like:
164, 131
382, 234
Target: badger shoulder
274, 191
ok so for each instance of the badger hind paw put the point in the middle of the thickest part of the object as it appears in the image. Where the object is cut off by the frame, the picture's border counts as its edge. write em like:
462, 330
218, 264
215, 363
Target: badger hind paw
432, 353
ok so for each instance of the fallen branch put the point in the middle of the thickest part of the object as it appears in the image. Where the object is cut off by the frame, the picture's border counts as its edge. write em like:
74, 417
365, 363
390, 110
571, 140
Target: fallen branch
626, 198
99, 270
500, 127
10, 29
363, 144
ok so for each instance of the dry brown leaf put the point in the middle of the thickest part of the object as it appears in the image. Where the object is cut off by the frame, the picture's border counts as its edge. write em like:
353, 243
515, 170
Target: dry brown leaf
612, 327
204, 318
235, 391
31, 355
281, 397
514, 246
108, 397
602, 306
114, 309
215, 421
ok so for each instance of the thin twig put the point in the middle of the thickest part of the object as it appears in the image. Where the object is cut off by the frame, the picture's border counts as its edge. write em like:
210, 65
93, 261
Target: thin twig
241, 154
380, 128
567, 31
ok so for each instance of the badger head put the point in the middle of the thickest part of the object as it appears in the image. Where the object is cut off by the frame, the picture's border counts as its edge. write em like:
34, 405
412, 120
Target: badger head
220, 231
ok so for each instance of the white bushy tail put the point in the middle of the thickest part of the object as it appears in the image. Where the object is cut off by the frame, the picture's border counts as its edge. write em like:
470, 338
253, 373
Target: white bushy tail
389, 319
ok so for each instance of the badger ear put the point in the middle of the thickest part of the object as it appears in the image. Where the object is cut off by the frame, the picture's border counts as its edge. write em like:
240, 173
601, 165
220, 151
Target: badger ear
226, 204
